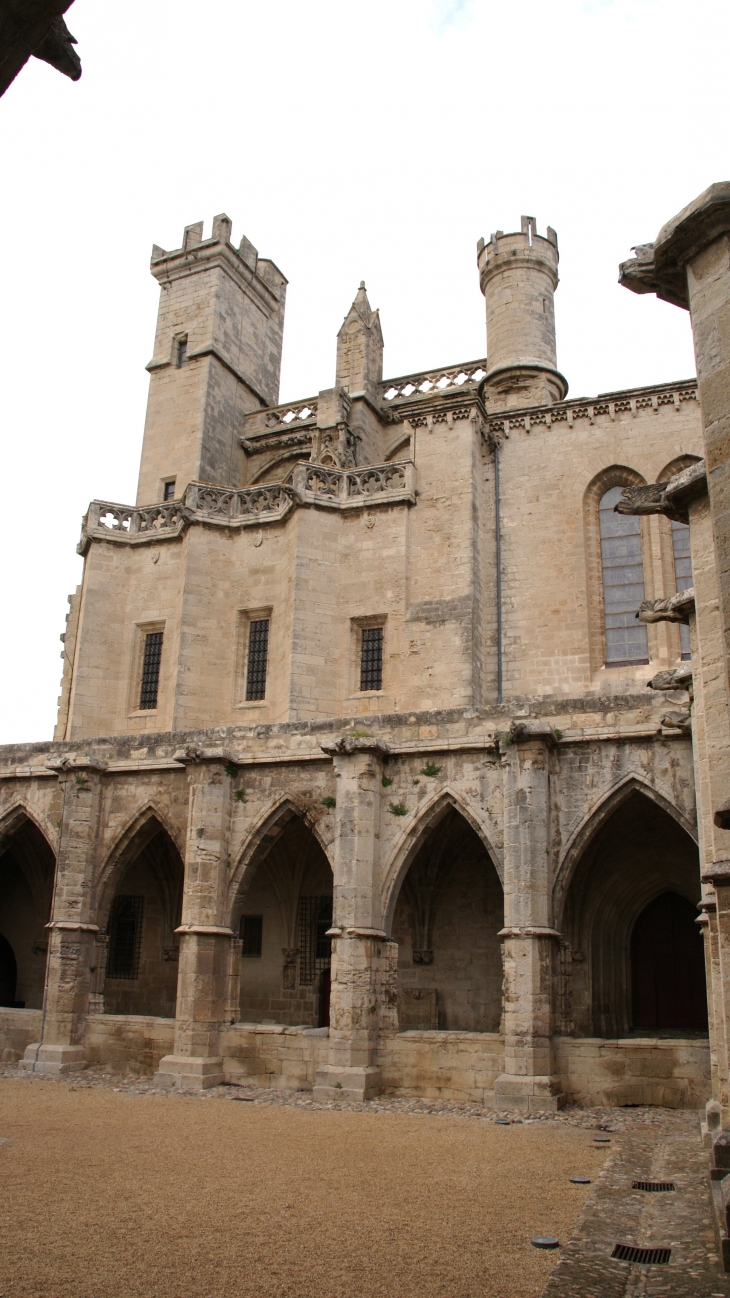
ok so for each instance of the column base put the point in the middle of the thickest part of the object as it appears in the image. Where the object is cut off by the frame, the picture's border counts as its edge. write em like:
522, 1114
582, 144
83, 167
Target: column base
178, 1072
54, 1061
528, 1094
335, 1083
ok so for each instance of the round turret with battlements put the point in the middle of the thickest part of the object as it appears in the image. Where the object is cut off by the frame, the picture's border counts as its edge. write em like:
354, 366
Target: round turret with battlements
518, 275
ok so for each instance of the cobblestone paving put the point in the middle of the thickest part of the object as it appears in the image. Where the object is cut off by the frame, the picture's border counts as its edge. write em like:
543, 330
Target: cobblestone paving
665, 1146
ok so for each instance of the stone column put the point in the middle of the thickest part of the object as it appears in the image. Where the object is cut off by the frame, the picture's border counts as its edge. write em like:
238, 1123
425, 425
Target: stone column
361, 953
72, 933
204, 975
689, 266
531, 944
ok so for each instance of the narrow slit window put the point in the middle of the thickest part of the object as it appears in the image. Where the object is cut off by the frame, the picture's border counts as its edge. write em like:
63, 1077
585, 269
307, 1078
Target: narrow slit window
150, 670
252, 932
168, 491
181, 354
683, 578
371, 658
125, 937
623, 583
258, 654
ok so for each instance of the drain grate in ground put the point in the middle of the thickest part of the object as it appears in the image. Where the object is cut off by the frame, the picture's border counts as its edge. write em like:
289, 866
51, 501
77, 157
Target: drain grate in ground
653, 1185
642, 1256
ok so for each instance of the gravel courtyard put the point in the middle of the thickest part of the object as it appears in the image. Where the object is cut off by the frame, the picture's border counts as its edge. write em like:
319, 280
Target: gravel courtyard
110, 1193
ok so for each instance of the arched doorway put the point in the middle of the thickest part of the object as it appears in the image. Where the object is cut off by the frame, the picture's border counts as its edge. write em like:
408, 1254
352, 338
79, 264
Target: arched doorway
668, 967
27, 866
446, 922
140, 975
8, 974
617, 924
283, 915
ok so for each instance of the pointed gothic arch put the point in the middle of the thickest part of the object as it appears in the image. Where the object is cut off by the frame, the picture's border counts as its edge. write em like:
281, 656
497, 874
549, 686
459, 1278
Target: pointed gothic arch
260, 838
445, 910
27, 873
280, 904
415, 834
594, 819
638, 850
139, 902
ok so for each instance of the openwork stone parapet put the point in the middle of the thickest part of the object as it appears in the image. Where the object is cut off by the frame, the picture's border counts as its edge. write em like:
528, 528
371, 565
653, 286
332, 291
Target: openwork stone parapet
307, 485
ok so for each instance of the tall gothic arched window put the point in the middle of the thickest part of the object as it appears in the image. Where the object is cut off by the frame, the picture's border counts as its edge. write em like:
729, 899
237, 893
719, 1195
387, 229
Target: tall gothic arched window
622, 569
682, 574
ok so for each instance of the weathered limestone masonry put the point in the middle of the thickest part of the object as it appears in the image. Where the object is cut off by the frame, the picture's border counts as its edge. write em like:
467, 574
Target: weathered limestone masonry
689, 266
357, 783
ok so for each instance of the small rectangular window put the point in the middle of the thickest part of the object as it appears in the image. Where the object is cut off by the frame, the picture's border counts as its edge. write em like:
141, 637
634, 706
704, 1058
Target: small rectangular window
168, 490
258, 653
252, 929
125, 937
371, 658
315, 948
181, 354
150, 670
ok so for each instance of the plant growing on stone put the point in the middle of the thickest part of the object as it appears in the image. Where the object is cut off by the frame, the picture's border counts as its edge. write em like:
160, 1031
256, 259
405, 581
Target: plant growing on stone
431, 769
398, 809
386, 781
240, 795
231, 769
329, 802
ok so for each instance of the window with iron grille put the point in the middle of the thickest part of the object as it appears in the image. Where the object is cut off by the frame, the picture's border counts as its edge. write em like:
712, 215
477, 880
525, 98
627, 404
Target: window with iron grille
258, 653
181, 354
683, 578
252, 931
371, 658
168, 491
150, 670
315, 948
623, 583
125, 937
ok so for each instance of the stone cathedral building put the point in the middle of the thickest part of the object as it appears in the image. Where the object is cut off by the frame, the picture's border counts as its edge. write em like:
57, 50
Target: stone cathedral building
357, 783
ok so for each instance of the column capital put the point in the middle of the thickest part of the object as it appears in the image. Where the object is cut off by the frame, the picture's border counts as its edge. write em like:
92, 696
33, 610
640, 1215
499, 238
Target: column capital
717, 872
70, 765
530, 930
348, 745
190, 755
70, 926
523, 732
209, 929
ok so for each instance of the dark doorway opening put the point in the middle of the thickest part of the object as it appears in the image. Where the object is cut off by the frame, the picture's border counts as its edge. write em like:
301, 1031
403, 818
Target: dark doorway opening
668, 967
325, 986
8, 974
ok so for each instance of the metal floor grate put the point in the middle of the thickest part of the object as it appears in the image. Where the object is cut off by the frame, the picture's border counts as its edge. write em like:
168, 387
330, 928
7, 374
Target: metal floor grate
643, 1256
653, 1185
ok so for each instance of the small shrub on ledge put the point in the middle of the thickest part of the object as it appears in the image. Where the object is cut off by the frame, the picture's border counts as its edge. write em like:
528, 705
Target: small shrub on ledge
398, 809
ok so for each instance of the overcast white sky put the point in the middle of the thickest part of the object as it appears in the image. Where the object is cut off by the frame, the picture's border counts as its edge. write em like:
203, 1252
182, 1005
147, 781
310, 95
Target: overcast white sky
348, 139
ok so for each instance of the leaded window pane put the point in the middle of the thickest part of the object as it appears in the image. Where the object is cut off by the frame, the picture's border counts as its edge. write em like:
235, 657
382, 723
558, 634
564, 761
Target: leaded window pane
623, 582
683, 578
125, 937
371, 658
150, 670
258, 654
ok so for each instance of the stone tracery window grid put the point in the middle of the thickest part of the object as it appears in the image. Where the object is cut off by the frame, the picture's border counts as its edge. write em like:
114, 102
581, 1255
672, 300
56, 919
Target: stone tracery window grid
622, 570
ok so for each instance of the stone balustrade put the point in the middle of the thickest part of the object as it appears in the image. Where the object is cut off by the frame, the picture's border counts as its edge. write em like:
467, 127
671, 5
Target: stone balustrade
307, 485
